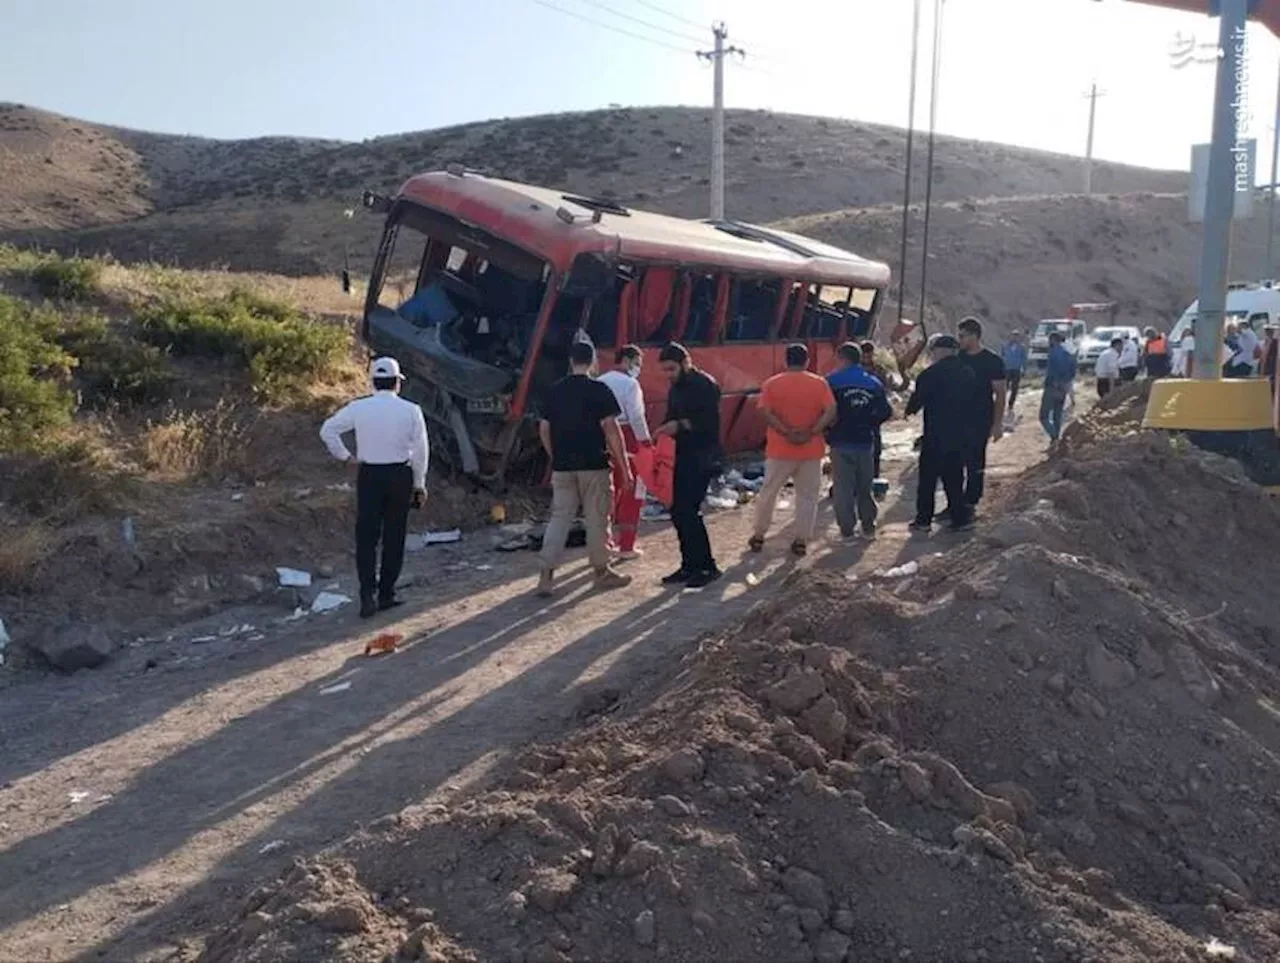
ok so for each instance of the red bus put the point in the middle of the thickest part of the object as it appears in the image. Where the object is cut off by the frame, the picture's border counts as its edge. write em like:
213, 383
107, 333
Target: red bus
479, 286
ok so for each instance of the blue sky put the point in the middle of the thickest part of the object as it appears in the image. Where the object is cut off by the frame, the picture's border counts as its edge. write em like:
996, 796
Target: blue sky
1013, 70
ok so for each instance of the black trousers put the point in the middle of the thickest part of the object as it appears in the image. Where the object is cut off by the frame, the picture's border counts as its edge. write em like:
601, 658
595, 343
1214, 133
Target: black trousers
879, 450
1104, 387
689, 490
1128, 374
384, 494
1015, 379
941, 465
974, 460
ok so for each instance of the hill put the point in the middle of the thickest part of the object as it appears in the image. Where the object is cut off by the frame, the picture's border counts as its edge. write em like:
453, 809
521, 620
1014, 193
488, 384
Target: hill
176, 198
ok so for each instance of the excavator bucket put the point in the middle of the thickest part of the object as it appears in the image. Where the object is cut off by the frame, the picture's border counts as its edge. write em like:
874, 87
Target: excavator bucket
906, 344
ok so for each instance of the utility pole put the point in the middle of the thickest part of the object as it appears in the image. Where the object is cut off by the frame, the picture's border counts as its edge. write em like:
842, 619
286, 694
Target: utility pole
716, 56
1093, 95
1271, 191
906, 187
1220, 194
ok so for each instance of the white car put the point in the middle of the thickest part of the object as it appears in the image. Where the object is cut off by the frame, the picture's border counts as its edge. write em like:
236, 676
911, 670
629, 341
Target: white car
1099, 339
1071, 329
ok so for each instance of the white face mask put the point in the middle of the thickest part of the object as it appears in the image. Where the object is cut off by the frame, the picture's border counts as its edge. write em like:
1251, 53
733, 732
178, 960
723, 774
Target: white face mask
633, 370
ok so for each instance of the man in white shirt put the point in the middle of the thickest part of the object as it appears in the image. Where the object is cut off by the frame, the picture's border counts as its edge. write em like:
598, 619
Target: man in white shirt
624, 382
1130, 359
1107, 368
1244, 359
1184, 353
392, 451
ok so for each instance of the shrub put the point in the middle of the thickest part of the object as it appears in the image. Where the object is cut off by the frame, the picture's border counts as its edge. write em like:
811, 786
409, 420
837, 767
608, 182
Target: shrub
34, 371
281, 348
213, 444
115, 370
67, 279
23, 551
70, 479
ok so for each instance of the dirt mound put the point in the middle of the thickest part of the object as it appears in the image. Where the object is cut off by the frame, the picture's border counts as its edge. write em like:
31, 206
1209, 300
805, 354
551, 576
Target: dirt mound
1053, 743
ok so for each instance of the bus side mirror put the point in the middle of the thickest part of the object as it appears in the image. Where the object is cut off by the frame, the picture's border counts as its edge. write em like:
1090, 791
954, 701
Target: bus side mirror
377, 203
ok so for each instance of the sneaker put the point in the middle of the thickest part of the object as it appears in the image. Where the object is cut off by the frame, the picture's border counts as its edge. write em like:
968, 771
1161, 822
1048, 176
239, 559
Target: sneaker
756, 543
630, 555
799, 549
869, 531
943, 516
389, 603
678, 577
547, 583
963, 526
368, 606
919, 526
703, 579
609, 579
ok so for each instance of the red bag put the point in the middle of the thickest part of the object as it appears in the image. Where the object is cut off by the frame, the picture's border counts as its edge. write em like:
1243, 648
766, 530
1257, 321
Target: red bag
656, 466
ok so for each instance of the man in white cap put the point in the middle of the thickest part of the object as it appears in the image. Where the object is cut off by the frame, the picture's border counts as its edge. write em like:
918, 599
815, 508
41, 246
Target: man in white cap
392, 452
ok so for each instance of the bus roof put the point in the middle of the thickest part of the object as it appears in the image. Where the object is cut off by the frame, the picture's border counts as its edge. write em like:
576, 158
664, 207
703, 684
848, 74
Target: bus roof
526, 216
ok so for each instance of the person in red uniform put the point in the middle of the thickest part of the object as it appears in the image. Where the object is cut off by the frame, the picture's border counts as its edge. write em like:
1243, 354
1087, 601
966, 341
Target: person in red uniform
624, 382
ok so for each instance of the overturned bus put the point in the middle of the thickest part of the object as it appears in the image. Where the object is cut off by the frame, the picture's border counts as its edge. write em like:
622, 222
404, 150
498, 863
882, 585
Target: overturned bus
479, 287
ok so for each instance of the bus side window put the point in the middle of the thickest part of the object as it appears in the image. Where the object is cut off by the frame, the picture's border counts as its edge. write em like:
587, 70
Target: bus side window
752, 308
1258, 320
702, 310
861, 311
823, 313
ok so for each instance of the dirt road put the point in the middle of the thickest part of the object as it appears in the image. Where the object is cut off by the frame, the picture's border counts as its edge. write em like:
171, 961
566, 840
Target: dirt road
138, 800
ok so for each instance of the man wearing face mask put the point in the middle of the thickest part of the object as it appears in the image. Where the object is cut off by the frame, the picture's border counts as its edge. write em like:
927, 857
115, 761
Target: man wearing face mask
624, 382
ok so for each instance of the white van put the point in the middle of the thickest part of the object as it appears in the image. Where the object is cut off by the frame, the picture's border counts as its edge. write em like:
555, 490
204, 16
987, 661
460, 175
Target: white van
1258, 303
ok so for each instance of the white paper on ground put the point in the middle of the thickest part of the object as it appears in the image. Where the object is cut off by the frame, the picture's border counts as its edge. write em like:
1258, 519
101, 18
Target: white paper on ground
440, 538
294, 578
328, 601
334, 689
899, 571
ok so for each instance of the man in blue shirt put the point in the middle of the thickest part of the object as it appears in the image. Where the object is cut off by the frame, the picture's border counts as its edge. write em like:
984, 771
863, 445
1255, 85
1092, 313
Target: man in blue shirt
861, 408
1059, 375
1014, 353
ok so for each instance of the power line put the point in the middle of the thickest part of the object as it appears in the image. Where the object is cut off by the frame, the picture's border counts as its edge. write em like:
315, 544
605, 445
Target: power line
643, 22
608, 26
667, 13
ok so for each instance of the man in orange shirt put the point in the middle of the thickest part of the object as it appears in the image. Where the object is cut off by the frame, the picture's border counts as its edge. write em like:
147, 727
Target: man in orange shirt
798, 406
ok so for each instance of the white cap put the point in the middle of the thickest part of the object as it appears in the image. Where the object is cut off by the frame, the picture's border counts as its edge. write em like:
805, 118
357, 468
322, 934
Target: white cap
385, 368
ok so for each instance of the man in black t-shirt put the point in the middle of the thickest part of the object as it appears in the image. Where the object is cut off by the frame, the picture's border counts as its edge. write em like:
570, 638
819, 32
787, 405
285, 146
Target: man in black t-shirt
990, 401
944, 392
579, 430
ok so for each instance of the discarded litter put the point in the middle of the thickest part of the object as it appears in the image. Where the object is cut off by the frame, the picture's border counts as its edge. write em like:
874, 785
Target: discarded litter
517, 528
271, 847
334, 689
386, 642
440, 538
4, 640
238, 497
294, 578
202, 639
484, 568
752, 579
1218, 950
784, 504
126, 532
78, 795
302, 493
900, 571
328, 601
339, 487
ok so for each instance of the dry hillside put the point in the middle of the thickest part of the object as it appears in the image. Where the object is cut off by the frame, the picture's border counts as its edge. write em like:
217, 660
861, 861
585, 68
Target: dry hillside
1009, 240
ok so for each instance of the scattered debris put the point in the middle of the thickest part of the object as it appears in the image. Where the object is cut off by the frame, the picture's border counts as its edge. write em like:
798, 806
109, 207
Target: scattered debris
1218, 950
328, 601
127, 533
382, 644
335, 689
902, 571
294, 578
441, 538
237, 496
4, 641
78, 795
271, 847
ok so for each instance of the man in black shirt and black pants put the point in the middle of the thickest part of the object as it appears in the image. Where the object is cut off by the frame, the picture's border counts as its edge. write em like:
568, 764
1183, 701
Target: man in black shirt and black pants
987, 408
945, 392
579, 430
693, 419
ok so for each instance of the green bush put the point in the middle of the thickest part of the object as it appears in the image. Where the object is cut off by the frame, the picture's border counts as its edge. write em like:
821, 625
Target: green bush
67, 279
34, 376
114, 370
280, 347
